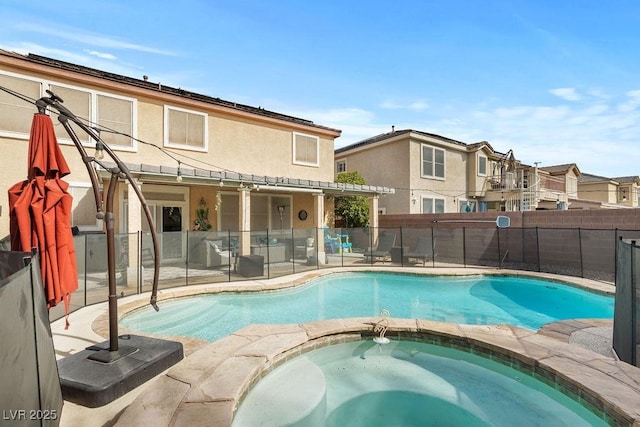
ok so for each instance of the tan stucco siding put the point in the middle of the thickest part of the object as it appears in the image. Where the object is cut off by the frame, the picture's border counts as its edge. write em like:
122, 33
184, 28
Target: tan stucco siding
384, 165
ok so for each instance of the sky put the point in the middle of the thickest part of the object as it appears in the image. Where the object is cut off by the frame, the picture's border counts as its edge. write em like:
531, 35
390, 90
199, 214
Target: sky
555, 81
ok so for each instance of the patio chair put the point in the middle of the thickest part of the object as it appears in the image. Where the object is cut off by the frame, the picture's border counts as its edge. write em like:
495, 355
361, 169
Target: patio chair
215, 257
383, 248
423, 251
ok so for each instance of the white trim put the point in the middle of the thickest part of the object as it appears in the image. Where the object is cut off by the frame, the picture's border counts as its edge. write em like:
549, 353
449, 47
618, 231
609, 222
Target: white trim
166, 141
298, 162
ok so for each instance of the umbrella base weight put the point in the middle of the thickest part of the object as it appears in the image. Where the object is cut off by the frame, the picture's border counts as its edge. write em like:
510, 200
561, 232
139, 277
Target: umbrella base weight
108, 356
96, 376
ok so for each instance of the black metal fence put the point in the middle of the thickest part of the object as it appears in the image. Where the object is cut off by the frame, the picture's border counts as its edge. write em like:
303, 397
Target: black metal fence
626, 323
196, 257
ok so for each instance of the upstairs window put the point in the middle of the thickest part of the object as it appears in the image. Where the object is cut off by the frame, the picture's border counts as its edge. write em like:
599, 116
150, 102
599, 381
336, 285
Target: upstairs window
572, 186
306, 149
432, 162
185, 129
17, 114
79, 103
116, 114
432, 205
341, 166
482, 165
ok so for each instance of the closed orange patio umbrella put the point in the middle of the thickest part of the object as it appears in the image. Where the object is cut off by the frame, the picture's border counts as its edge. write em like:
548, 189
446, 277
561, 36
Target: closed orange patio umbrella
40, 213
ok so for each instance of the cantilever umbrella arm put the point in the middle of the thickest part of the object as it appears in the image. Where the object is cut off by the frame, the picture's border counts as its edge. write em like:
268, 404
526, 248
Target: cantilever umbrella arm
120, 171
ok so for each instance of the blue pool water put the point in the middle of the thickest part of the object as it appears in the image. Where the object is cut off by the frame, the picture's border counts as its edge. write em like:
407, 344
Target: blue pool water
479, 300
404, 383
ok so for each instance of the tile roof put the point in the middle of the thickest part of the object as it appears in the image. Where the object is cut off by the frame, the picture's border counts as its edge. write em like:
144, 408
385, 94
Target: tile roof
395, 133
627, 179
587, 178
559, 168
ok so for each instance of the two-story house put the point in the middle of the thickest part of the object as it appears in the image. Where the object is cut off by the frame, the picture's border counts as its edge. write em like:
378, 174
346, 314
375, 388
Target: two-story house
254, 169
431, 173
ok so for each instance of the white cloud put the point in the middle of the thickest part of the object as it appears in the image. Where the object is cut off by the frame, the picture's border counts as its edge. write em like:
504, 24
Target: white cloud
79, 36
418, 105
632, 102
101, 55
566, 93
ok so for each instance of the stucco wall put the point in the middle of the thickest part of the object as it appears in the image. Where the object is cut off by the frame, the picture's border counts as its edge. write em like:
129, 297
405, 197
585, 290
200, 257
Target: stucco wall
623, 219
387, 165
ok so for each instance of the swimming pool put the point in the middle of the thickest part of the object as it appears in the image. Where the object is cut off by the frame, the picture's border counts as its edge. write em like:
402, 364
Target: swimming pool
404, 383
487, 299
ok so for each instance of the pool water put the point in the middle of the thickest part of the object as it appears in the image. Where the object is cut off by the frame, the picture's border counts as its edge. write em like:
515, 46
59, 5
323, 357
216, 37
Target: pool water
480, 300
404, 383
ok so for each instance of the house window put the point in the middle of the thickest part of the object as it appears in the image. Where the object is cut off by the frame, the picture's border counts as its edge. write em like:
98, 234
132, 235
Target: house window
185, 129
113, 112
17, 114
117, 115
341, 166
432, 162
468, 206
306, 149
482, 165
77, 101
572, 186
432, 205
622, 194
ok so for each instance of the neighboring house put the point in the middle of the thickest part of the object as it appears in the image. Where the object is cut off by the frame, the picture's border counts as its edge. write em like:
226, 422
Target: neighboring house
431, 173
549, 187
609, 192
435, 174
252, 168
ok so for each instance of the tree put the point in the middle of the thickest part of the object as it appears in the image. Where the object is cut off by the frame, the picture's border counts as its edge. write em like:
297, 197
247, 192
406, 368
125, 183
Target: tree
354, 210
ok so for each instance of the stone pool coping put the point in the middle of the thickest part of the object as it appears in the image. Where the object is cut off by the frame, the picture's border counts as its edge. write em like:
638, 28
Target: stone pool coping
208, 386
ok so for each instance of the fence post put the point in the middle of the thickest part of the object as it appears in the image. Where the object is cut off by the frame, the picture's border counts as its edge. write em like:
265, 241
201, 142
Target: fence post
85, 270
268, 254
464, 246
401, 250
581, 260
293, 252
140, 267
634, 302
499, 253
538, 248
615, 254
186, 262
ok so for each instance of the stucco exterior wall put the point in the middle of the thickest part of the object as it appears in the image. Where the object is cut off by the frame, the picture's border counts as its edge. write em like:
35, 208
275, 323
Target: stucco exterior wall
386, 165
600, 191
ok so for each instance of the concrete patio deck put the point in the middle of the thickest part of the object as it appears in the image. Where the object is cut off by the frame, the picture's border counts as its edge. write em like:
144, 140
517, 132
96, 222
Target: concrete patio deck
206, 387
